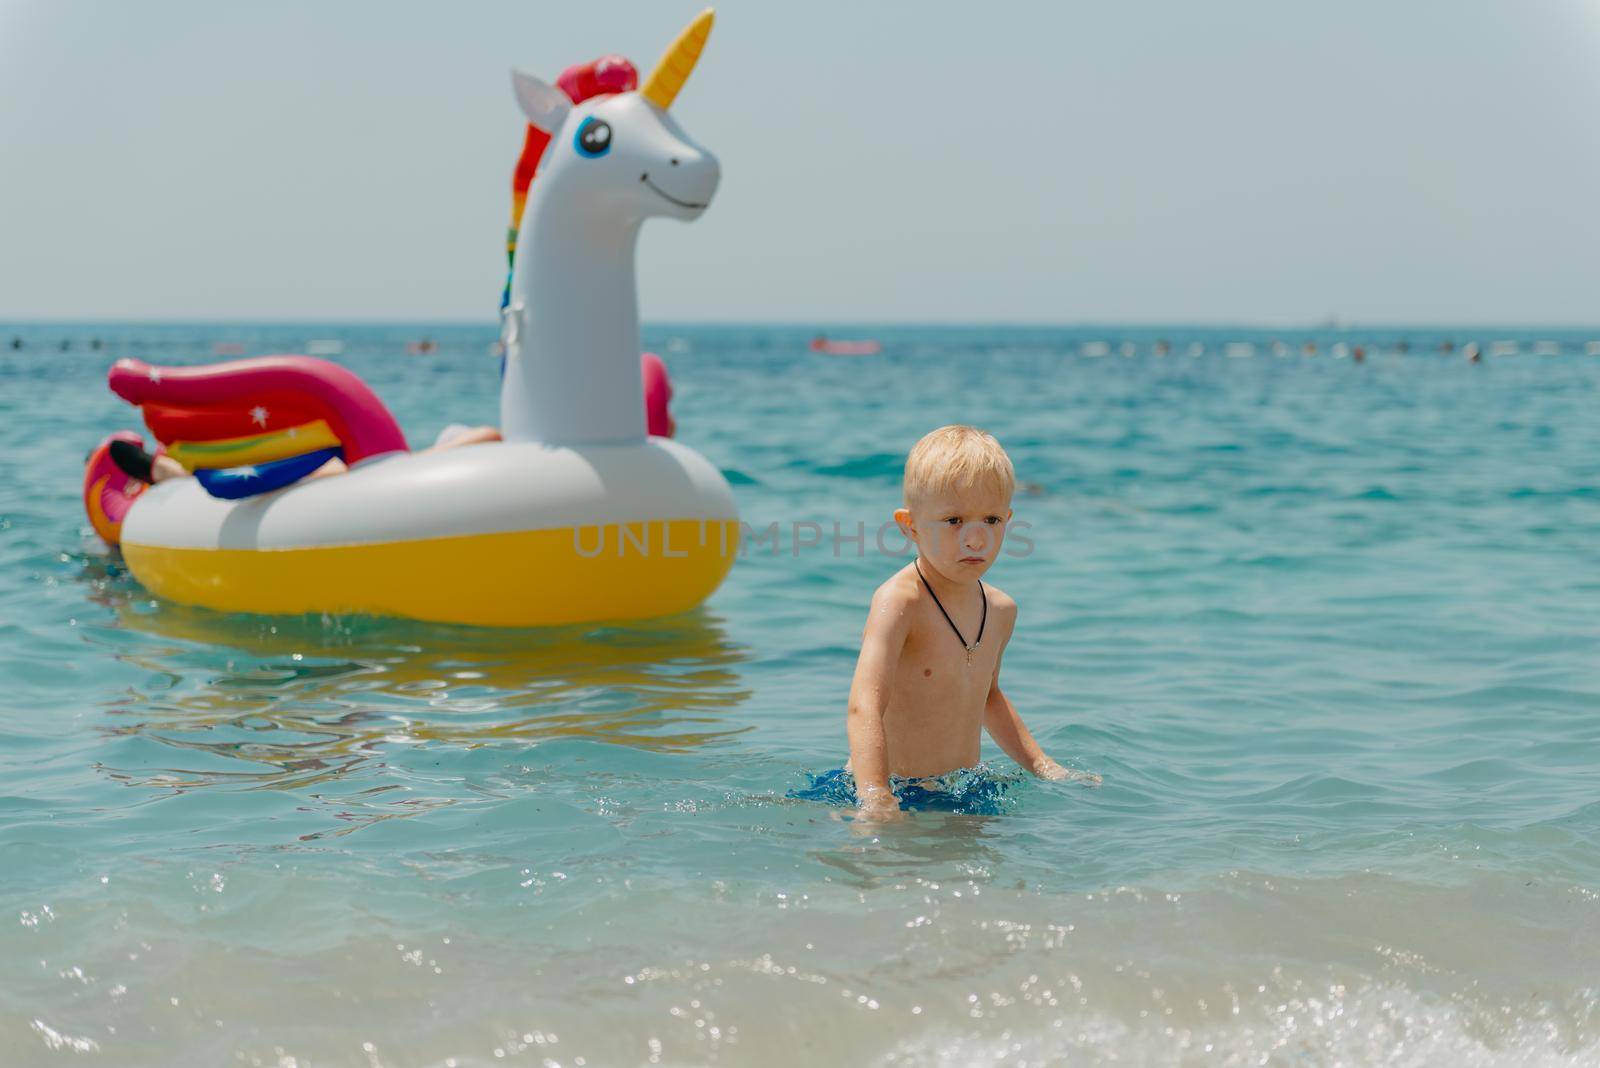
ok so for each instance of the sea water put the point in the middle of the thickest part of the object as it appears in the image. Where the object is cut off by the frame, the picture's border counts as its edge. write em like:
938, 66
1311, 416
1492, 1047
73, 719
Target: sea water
1329, 629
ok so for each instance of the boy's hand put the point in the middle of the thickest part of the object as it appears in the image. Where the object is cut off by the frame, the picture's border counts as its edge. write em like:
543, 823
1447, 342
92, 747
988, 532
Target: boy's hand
1046, 768
877, 804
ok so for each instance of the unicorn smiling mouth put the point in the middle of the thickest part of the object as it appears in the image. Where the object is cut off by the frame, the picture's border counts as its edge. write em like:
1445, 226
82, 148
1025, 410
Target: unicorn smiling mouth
645, 178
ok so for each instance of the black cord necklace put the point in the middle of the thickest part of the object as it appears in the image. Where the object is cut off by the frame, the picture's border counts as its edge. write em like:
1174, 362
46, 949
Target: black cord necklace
982, 620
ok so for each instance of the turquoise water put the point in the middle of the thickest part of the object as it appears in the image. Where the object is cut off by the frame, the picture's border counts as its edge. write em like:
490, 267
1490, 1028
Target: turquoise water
1329, 630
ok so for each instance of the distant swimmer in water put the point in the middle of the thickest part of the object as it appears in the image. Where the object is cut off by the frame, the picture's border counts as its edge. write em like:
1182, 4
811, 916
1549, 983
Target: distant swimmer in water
859, 347
927, 683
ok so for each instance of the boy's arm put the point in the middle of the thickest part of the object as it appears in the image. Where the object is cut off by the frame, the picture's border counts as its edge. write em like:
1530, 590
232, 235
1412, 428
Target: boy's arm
888, 623
1010, 734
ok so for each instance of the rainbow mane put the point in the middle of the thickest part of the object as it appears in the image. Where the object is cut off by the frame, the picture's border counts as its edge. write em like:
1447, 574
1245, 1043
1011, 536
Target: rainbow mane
608, 74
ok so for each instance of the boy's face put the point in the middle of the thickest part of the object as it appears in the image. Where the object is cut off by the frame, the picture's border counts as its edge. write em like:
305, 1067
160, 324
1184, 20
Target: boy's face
958, 532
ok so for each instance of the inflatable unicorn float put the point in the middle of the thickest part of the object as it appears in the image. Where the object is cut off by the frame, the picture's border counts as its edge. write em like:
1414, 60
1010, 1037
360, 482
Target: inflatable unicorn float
576, 515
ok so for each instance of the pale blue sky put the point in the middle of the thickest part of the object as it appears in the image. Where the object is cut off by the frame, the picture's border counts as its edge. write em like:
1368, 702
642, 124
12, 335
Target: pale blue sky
1230, 161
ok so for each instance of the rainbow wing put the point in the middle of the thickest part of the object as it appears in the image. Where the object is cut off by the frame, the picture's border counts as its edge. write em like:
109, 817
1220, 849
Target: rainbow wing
253, 426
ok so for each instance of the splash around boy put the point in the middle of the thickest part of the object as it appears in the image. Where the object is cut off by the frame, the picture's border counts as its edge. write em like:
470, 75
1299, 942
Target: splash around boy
927, 683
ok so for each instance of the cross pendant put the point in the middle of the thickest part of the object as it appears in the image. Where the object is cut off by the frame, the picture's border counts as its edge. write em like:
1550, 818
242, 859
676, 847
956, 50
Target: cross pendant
969, 657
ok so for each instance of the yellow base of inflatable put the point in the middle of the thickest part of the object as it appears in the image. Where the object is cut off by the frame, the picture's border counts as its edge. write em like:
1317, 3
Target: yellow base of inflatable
521, 579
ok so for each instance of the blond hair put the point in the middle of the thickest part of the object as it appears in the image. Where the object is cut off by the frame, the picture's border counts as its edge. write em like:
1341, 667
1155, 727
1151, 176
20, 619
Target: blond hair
957, 458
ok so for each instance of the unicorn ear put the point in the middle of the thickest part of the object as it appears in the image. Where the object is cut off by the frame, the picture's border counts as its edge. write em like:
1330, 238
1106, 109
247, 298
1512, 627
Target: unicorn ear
545, 106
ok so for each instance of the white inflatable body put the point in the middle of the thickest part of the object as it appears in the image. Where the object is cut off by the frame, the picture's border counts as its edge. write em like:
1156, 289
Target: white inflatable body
577, 515
475, 489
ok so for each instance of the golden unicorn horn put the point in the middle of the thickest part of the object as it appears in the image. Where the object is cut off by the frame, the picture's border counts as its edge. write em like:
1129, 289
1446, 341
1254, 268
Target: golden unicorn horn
672, 70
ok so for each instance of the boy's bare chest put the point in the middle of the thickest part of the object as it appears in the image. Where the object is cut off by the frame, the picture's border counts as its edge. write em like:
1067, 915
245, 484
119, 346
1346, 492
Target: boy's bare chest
935, 666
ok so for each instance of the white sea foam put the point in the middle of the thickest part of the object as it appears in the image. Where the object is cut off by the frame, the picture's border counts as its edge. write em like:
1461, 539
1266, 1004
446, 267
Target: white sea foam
1382, 1024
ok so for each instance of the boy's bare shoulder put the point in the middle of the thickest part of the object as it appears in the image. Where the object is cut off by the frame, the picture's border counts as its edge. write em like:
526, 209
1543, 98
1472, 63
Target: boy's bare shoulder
899, 593
890, 616
1001, 604
1000, 600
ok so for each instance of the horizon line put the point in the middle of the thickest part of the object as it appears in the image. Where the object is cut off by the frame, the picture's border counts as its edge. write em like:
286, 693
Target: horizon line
817, 324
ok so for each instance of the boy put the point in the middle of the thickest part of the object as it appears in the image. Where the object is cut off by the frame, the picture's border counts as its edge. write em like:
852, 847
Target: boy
928, 679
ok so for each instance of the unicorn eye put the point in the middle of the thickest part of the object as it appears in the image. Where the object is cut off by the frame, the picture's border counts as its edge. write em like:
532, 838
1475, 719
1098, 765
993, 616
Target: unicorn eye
594, 138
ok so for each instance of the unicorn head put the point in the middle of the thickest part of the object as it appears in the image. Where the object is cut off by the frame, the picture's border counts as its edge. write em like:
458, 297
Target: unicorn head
624, 152
572, 330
